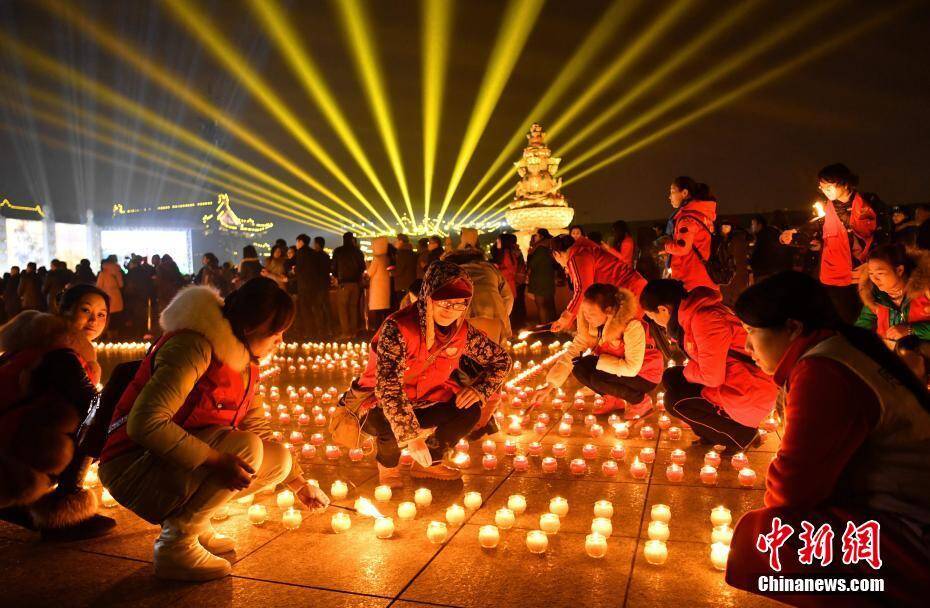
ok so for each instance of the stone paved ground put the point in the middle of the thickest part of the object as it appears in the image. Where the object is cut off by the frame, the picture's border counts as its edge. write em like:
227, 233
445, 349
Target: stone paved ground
312, 566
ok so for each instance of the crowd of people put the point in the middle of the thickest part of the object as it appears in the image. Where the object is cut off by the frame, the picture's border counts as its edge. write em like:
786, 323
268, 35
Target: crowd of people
827, 323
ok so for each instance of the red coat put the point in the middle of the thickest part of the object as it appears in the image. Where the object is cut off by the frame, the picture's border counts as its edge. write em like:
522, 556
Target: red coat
712, 337
625, 252
219, 398
693, 235
588, 264
840, 254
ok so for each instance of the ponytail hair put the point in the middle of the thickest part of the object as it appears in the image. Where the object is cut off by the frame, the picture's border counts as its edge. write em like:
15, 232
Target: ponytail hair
662, 292
255, 302
697, 191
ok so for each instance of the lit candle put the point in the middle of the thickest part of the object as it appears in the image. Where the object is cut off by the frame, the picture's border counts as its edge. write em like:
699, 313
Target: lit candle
674, 433
504, 518
489, 462
596, 430
604, 508
621, 430
517, 503
308, 450
521, 463
338, 490
618, 451
609, 468
589, 451
488, 537
578, 466
739, 461
565, 429
384, 527
658, 530
602, 526
461, 460
721, 534
406, 511
712, 458
595, 545
510, 448
383, 493
317, 439
489, 447
472, 500
708, 475
221, 513
747, 477
559, 506
333, 452
647, 455
436, 532
285, 499
535, 449
674, 472
537, 541
423, 497
647, 432
455, 514
719, 553
660, 512
637, 469
549, 464
720, 516
291, 519
106, 499
258, 514
664, 422
340, 522
356, 454
679, 456
406, 459
655, 552
461, 446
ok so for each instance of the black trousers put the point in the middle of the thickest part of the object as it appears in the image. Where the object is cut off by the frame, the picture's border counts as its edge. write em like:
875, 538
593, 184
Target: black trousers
632, 389
683, 400
846, 301
315, 320
450, 422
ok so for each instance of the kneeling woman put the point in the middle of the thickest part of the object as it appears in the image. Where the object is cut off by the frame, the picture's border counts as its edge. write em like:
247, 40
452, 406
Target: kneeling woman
625, 365
409, 384
185, 437
720, 392
855, 450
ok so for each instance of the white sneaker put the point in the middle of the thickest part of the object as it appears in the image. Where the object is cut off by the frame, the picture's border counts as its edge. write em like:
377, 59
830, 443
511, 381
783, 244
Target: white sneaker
180, 556
215, 542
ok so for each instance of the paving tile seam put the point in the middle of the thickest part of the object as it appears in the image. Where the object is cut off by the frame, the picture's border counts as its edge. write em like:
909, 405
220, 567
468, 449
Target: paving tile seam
316, 587
642, 517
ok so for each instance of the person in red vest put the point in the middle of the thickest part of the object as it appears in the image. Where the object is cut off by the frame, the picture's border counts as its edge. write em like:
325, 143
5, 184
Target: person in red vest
691, 231
847, 234
625, 365
586, 263
186, 436
48, 379
410, 388
720, 392
854, 455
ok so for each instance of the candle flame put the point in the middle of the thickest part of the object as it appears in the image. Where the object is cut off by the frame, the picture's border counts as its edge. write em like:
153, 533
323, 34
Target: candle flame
365, 508
818, 209
523, 335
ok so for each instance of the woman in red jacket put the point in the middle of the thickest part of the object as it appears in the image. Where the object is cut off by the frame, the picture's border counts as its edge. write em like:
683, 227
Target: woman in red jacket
621, 246
586, 263
720, 392
855, 453
691, 235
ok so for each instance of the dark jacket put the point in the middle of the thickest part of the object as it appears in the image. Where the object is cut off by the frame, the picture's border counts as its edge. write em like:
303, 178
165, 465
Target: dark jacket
768, 255
348, 263
11, 303
405, 267
312, 270
541, 267
30, 291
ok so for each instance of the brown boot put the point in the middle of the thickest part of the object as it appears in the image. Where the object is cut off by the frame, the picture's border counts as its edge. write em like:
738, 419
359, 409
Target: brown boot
390, 476
437, 471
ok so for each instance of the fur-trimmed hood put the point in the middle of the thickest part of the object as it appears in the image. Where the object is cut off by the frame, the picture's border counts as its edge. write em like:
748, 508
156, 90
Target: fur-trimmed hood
917, 286
200, 309
32, 329
614, 327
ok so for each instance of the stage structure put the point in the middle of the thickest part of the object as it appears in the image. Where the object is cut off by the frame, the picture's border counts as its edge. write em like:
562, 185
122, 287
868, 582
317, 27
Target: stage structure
538, 202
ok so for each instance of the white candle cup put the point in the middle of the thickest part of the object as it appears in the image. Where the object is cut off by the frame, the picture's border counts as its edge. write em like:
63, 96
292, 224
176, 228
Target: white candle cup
602, 526
384, 527
221, 513
291, 519
595, 545
436, 532
559, 506
660, 513
455, 514
258, 514
549, 523
472, 500
340, 522
504, 518
423, 497
517, 503
655, 552
488, 537
537, 541
338, 490
285, 499
747, 477
406, 511
719, 553
604, 508
658, 530
246, 500
720, 516
721, 534
383, 493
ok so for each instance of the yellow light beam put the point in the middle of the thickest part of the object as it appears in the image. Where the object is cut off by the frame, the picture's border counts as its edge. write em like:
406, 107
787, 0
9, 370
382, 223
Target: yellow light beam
358, 31
602, 33
118, 102
176, 86
436, 31
199, 25
790, 26
279, 29
187, 161
519, 19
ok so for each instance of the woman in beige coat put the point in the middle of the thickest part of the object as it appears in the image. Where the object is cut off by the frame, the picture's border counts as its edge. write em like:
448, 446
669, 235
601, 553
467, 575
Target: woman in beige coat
379, 283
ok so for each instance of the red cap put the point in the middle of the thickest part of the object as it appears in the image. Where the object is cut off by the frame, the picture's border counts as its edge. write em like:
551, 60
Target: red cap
459, 288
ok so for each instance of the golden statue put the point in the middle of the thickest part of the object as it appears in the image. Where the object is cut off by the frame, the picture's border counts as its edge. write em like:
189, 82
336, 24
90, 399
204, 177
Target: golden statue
537, 168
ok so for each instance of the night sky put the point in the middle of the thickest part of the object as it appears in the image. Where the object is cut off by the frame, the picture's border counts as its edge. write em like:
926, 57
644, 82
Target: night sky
865, 103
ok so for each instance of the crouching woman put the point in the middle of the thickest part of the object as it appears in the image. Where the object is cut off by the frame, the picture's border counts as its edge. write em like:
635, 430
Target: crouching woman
625, 365
185, 437
855, 453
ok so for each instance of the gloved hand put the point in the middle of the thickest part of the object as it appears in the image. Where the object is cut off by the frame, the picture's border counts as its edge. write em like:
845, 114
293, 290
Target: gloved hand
313, 498
420, 453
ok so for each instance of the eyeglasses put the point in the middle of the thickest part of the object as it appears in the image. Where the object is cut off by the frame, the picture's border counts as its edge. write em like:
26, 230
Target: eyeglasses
450, 305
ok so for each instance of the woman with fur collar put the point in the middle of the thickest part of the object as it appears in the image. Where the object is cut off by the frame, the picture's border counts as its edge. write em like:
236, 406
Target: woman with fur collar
48, 378
624, 365
186, 438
